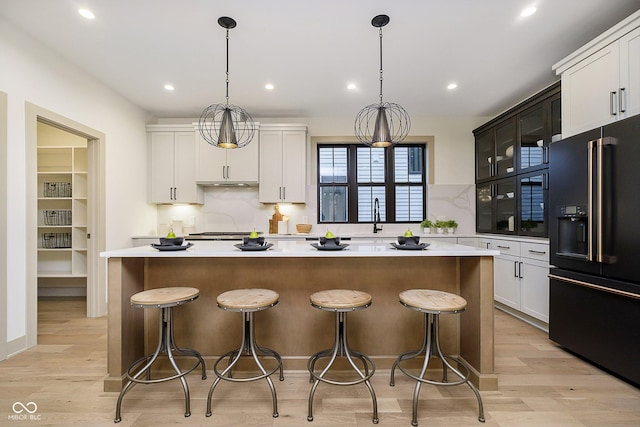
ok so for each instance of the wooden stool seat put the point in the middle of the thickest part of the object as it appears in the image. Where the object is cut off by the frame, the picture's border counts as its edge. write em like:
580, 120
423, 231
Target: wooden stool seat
247, 299
340, 299
164, 296
432, 301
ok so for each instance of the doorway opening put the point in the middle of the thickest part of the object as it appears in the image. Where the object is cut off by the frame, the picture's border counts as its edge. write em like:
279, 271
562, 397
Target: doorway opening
66, 208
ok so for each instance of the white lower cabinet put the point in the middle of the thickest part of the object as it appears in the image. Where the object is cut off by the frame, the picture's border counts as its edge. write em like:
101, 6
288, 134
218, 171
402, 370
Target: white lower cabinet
520, 276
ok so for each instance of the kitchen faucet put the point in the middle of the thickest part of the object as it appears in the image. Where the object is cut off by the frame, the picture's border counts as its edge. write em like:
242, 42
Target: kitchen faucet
376, 215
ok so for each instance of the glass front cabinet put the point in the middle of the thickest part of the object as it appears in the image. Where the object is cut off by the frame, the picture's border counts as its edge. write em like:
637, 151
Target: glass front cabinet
512, 157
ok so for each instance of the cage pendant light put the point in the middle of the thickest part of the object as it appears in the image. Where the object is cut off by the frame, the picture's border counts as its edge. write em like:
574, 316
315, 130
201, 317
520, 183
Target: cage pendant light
385, 123
226, 125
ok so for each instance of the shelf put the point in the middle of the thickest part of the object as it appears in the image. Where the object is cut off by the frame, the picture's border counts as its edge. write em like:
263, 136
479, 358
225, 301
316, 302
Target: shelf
55, 274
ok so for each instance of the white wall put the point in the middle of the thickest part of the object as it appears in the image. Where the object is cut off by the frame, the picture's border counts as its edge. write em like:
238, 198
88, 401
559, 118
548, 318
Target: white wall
31, 73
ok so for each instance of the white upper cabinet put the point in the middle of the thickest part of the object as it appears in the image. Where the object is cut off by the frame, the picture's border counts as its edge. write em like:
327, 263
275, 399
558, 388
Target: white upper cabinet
283, 163
630, 74
227, 166
172, 165
601, 80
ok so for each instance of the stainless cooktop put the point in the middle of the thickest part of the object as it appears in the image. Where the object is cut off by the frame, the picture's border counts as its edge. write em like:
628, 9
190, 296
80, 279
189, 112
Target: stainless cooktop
219, 235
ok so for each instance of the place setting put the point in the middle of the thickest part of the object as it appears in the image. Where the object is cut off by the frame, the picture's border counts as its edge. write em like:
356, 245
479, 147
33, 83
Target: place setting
409, 242
329, 242
254, 242
172, 244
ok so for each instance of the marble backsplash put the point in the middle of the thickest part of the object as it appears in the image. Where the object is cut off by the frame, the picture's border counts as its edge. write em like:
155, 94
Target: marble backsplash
233, 209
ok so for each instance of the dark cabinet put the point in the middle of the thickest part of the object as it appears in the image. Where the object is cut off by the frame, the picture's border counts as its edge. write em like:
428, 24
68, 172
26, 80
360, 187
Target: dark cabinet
512, 157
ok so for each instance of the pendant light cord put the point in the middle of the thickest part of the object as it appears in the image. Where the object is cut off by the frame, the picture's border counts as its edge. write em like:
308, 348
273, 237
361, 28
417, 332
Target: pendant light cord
381, 78
227, 80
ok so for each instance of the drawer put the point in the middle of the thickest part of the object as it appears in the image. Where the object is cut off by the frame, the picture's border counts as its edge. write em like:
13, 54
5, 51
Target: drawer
506, 247
538, 251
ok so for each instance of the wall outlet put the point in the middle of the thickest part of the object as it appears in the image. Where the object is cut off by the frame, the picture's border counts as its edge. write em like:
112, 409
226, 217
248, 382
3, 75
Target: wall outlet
441, 218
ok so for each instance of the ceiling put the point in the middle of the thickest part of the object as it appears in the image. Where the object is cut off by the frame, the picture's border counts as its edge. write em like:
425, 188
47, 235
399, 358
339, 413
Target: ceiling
311, 50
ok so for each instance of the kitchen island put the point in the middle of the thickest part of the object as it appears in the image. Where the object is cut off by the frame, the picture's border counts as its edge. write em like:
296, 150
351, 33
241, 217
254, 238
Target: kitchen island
295, 270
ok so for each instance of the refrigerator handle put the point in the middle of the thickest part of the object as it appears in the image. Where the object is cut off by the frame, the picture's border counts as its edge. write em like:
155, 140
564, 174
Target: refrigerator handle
599, 172
590, 207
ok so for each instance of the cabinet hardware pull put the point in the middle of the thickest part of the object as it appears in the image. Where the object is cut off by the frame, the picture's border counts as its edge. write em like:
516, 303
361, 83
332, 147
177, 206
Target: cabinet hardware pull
228, 175
284, 193
503, 247
537, 252
224, 173
520, 270
622, 100
515, 268
612, 104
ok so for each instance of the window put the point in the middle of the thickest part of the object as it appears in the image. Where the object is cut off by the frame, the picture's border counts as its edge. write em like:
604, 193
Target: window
351, 177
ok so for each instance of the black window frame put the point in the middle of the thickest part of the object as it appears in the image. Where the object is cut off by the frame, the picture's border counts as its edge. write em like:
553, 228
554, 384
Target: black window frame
389, 183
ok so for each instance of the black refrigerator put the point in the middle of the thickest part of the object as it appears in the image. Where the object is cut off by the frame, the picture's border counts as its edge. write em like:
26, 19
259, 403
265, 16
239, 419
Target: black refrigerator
594, 236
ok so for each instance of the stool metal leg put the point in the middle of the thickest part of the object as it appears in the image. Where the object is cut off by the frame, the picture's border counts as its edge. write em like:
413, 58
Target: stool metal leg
248, 347
431, 348
166, 344
341, 348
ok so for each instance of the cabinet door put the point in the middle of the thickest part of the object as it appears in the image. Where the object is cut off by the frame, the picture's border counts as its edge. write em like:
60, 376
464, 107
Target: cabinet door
185, 188
506, 282
505, 207
485, 154
532, 198
294, 166
629, 101
270, 190
531, 129
484, 208
588, 92
535, 288
242, 163
211, 162
162, 167
505, 146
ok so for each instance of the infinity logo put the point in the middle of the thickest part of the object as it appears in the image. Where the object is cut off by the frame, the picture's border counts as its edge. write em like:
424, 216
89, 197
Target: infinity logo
30, 407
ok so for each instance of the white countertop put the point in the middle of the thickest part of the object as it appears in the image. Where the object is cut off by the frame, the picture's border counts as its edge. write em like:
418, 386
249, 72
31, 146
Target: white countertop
301, 248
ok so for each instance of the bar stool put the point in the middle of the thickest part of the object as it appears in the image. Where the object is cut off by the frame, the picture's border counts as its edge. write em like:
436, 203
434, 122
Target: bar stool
165, 299
341, 301
247, 301
432, 304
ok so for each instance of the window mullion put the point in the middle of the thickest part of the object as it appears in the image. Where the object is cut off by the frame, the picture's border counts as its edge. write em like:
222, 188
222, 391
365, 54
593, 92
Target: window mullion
352, 183
389, 179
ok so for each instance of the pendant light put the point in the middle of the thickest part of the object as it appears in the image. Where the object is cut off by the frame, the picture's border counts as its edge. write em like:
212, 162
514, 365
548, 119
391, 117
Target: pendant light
385, 123
226, 125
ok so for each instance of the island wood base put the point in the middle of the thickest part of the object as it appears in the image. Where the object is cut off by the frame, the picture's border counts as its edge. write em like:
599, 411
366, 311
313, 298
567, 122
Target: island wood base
294, 328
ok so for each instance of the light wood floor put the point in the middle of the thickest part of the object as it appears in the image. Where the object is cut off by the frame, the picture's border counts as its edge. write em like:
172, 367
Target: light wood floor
539, 385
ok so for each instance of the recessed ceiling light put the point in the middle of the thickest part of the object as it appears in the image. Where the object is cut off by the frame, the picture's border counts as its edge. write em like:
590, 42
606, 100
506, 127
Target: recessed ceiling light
86, 13
528, 11
269, 86
452, 86
352, 86
169, 87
